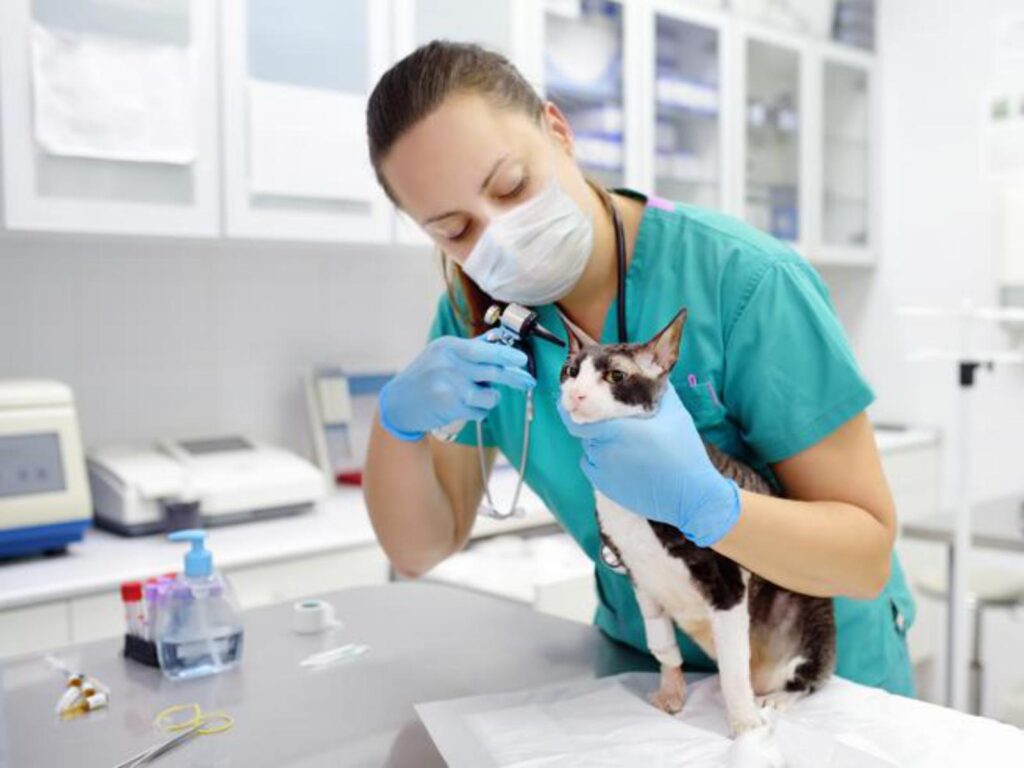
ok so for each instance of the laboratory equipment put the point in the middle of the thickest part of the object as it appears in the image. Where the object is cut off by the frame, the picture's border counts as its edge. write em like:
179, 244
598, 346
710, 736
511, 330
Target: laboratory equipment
334, 655
199, 629
310, 617
82, 693
199, 724
341, 406
44, 495
233, 478
150, 754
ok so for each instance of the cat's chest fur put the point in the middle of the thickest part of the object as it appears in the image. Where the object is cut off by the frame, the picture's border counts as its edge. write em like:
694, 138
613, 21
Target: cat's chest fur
663, 576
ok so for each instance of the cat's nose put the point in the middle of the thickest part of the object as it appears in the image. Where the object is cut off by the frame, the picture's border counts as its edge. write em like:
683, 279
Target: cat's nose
577, 397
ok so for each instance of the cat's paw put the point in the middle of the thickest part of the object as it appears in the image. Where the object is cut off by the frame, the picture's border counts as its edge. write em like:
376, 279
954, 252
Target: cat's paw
742, 722
669, 700
779, 701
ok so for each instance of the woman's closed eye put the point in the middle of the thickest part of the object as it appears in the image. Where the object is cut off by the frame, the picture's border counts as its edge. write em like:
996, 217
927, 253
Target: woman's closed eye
462, 233
516, 189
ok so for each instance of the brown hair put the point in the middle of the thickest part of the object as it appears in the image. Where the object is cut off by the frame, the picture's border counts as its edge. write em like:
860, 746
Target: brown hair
415, 87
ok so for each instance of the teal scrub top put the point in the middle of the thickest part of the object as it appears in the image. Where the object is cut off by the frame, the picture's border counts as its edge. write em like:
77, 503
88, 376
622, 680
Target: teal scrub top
765, 370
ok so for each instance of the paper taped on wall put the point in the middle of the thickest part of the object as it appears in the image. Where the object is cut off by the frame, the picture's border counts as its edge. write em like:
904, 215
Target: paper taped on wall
113, 99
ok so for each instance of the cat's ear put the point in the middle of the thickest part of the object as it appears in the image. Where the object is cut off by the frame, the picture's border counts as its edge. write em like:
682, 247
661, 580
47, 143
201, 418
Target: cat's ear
575, 345
664, 347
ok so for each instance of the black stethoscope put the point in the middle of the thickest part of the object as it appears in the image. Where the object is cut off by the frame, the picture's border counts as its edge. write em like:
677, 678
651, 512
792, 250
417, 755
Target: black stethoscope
608, 555
620, 252
620, 265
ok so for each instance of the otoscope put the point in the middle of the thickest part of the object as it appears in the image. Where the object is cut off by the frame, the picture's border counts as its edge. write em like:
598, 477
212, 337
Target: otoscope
515, 324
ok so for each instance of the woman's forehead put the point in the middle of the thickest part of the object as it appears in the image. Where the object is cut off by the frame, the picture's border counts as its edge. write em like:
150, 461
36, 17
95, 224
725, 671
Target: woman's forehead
441, 161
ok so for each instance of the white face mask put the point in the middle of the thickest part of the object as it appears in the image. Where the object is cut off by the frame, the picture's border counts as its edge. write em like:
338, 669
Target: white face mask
534, 253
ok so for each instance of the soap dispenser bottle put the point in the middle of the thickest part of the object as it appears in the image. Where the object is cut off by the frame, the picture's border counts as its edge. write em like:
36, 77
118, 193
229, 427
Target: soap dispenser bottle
199, 629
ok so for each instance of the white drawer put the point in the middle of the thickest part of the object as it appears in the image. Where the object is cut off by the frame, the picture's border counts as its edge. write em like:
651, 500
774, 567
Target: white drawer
294, 579
34, 628
96, 617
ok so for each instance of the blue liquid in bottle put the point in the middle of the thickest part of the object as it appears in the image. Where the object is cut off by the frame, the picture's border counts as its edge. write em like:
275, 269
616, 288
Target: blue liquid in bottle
199, 629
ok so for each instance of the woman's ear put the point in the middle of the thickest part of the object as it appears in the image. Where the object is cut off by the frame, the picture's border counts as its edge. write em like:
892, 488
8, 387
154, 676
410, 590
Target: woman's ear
664, 347
558, 128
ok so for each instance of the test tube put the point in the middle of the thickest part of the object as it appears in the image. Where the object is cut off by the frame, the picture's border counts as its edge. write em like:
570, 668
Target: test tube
131, 596
150, 593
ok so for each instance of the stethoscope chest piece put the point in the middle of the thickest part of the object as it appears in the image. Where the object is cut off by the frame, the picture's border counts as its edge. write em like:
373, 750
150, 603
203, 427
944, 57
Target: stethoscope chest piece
609, 558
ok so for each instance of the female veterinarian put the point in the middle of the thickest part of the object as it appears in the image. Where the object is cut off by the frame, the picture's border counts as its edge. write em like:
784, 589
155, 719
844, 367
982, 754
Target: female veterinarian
464, 146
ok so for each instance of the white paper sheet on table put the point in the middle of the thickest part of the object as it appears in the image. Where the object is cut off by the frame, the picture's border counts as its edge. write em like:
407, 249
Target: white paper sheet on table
308, 142
112, 98
607, 722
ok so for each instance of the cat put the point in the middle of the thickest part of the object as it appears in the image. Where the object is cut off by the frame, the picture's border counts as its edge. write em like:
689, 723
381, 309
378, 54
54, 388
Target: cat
772, 645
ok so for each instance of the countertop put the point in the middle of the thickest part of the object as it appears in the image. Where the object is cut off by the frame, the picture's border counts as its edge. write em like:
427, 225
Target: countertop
102, 560
996, 524
426, 642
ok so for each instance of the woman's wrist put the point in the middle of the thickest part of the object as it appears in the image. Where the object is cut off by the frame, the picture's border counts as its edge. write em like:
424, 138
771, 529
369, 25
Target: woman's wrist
393, 430
710, 519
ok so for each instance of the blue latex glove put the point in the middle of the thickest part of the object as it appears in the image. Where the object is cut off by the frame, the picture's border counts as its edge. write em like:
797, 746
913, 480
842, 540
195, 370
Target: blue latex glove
448, 381
658, 467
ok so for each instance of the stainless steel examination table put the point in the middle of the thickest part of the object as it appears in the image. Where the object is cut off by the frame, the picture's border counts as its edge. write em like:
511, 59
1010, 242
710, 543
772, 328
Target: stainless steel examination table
426, 642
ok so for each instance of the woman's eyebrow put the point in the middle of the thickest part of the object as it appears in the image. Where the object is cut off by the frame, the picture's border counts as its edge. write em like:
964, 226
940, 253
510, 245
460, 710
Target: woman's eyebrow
483, 186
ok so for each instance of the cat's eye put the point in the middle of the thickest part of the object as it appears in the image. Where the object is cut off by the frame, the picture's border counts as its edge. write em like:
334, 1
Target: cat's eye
572, 371
614, 376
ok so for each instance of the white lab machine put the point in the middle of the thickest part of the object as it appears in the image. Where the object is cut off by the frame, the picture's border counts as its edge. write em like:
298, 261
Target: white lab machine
341, 406
233, 478
44, 496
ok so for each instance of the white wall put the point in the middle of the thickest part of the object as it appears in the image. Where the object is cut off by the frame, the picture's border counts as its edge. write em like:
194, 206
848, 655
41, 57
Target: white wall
937, 239
161, 338
938, 246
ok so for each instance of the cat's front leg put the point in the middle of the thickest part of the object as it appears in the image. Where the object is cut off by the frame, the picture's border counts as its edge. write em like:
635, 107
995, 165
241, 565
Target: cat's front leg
661, 640
731, 631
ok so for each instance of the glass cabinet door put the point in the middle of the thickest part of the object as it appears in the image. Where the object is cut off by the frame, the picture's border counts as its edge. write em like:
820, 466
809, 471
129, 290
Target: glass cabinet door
583, 75
847, 154
467, 21
296, 80
687, 112
773, 121
109, 116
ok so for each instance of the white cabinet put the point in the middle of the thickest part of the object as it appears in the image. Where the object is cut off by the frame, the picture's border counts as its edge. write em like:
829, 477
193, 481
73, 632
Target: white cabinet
34, 627
295, 579
745, 107
691, 105
295, 78
592, 62
845, 200
58, 174
774, 166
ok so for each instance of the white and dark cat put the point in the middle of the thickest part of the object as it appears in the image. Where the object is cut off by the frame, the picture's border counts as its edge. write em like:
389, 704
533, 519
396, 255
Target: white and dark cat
772, 645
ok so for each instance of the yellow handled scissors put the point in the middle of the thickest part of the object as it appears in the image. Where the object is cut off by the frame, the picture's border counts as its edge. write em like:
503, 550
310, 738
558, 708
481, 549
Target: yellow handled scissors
200, 724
